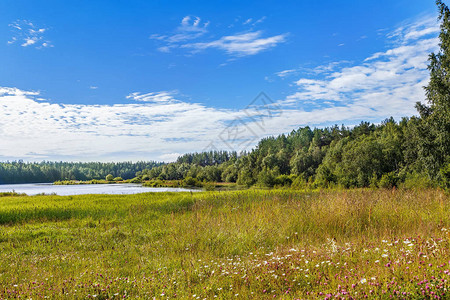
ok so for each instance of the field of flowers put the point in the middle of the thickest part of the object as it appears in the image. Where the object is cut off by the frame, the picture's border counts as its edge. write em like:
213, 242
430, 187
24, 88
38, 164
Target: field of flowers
278, 244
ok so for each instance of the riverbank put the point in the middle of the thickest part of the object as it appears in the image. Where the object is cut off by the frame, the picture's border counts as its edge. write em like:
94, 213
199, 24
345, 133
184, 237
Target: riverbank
190, 183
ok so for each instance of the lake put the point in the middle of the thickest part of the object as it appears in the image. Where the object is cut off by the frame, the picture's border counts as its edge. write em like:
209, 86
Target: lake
82, 189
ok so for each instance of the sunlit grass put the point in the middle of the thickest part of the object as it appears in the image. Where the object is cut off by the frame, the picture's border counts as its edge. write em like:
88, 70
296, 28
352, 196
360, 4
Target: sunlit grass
245, 244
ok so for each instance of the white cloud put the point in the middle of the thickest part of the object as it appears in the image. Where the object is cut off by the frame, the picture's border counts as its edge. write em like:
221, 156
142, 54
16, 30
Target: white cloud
27, 34
387, 83
154, 126
191, 30
241, 44
169, 157
286, 73
158, 97
158, 125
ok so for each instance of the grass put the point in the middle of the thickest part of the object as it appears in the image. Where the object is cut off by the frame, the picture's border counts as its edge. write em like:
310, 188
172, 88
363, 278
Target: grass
252, 244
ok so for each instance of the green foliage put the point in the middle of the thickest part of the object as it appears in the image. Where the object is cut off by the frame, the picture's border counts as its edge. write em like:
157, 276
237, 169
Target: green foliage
283, 180
445, 176
433, 129
299, 183
11, 194
388, 180
209, 186
118, 179
246, 178
135, 180
266, 178
21, 172
189, 181
416, 180
109, 177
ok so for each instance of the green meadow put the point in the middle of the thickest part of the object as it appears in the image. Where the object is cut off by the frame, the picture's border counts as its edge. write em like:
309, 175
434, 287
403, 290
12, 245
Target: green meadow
251, 244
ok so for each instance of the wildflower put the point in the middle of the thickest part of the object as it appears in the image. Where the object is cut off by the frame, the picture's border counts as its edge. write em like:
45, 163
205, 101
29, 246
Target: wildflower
363, 280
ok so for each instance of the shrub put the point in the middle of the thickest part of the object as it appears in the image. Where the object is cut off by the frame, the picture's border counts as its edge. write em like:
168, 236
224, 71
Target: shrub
299, 183
416, 180
190, 181
388, 180
445, 176
283, 180
118, 179
135, 180
109, 177
266, 178
209, 186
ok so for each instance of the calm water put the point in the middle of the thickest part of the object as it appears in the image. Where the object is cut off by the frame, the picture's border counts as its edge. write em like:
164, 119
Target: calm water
68, 190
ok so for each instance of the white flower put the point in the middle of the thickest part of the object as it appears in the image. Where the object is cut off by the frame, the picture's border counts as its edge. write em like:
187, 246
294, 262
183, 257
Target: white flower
363, 280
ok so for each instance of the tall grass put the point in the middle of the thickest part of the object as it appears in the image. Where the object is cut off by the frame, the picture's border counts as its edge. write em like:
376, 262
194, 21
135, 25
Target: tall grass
223, 244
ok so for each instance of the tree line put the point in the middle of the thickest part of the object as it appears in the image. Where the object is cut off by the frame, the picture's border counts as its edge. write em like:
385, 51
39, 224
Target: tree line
26, 172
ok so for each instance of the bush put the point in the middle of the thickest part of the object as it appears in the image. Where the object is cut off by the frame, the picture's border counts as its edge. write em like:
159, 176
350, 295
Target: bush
445, 176
109, 177
209, 186
416, 180
299, 183
388, 180
266, 178
190, 181
135, 180
283, 180
118, 179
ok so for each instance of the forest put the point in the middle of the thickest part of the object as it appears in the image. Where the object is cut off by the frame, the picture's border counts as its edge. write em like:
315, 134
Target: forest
22, 172
368, 155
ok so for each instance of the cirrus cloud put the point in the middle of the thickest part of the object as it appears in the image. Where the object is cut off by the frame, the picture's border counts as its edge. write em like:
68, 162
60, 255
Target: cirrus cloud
191, 29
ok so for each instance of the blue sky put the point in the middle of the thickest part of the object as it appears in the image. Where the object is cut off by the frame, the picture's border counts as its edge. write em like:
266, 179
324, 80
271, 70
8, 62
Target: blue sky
149, 80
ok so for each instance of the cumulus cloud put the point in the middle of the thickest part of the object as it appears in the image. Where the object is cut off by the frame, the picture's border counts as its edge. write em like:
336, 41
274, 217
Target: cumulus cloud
190, 35
148, 129
28, 34
160, 125
384, 84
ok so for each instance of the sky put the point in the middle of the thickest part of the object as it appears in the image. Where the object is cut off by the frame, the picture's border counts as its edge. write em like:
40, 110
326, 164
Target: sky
149, 80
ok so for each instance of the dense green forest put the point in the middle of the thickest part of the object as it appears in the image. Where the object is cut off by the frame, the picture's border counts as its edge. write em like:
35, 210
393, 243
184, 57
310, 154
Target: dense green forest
20, 172
384, 155
414, 151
